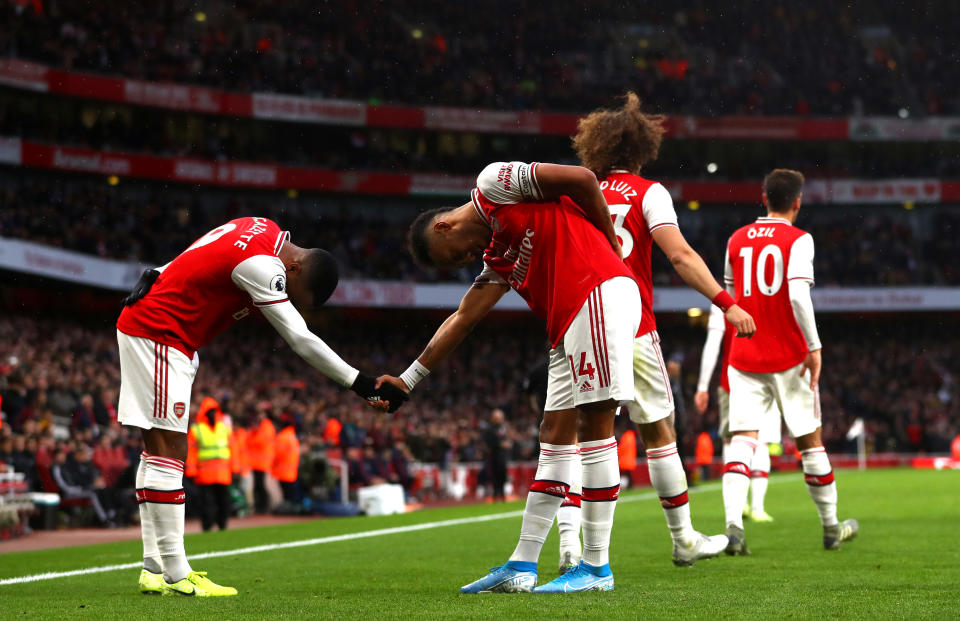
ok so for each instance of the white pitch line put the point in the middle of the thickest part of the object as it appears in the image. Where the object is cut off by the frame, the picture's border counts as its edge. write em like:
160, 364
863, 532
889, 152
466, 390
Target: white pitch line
321, 540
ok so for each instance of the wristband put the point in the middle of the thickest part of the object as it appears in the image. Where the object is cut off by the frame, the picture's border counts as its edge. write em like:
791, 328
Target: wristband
414, 374
723, 300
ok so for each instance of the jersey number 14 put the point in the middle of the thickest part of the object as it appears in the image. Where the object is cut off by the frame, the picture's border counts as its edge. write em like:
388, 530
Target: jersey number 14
586, 368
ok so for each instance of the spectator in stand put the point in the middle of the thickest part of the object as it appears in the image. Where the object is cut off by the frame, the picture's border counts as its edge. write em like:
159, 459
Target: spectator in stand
83, 417
24, 459
14, 398
240, 467
6, 450
376, 470
400, 460
498, 448
110, 457
356, 468
77, 477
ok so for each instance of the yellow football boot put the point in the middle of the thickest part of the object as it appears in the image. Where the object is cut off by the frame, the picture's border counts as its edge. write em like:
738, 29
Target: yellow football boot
151, 583
198, 585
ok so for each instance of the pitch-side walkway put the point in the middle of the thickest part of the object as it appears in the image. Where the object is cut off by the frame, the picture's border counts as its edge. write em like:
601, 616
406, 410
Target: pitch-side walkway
43, 539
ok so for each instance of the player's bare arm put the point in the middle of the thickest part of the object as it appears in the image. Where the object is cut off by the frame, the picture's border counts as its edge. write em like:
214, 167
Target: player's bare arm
580, 184
691, 268
478, 301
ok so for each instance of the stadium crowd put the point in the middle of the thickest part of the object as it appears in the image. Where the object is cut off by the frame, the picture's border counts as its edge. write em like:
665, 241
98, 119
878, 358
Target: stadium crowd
752, 58
59, 379
875, 246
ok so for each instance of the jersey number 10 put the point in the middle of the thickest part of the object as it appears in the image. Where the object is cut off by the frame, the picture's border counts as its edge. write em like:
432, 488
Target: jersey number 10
767, 252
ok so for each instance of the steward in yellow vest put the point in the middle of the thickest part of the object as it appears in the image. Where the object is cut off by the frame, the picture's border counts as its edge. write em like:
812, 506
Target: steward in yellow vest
209, 441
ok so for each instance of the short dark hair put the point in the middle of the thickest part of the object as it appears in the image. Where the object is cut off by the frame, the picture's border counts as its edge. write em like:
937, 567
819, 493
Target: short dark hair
322, 275
417, 242
782, 186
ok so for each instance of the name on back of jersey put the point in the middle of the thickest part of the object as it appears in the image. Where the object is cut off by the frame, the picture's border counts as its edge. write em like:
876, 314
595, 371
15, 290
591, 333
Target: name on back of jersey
761, 231
620, 187
259, 226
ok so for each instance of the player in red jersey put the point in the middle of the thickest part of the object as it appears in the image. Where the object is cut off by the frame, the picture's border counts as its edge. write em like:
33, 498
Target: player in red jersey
769, 269
615, 145
545, 231
247, 265
717, 344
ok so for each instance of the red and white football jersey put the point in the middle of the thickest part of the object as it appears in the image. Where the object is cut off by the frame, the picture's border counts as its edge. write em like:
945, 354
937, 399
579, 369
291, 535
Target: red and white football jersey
762, 258
211, 285
638, 207
548, 251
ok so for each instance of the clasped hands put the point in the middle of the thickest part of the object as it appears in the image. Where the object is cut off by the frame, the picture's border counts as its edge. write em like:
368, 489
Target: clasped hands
385, 393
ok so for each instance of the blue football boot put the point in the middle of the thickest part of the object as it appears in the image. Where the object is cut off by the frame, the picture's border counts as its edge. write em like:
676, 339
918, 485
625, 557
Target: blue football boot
513, 577
583, 578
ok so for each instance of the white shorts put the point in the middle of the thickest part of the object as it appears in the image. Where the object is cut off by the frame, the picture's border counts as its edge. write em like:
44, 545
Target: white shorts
594, 360
155, 383
753, 395
769, 431
653, 397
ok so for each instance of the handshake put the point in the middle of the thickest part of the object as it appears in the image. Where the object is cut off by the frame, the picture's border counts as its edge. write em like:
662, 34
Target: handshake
383, 393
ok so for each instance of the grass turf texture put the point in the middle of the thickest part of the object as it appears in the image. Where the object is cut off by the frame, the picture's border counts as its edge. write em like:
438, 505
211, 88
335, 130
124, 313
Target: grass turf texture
904, 564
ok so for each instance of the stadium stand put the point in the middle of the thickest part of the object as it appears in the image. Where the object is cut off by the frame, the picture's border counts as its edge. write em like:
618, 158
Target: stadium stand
868, 61
127, 132
127, 128
879, 245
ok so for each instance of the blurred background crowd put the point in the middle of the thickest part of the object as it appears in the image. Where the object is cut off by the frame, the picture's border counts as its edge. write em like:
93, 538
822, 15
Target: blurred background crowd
880, 245
797, 59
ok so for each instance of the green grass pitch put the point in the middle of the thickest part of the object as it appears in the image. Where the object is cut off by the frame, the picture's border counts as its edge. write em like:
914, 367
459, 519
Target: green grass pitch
904, 564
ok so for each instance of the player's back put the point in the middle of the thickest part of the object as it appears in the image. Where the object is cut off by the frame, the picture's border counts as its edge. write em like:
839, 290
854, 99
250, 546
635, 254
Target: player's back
195, 298
548, 251
552, 256
638, 206
762, 257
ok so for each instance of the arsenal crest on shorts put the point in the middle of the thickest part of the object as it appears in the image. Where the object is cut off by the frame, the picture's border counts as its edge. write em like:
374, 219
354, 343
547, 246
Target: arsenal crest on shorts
179, 408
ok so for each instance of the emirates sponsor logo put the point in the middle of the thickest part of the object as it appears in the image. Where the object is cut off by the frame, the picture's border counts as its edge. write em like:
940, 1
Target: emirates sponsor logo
522, 266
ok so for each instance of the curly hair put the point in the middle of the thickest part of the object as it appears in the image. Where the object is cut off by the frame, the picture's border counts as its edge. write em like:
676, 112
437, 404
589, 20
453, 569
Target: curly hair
622, 138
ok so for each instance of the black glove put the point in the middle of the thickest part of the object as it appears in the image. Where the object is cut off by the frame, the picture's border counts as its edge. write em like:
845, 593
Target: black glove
142, 288
364, 386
